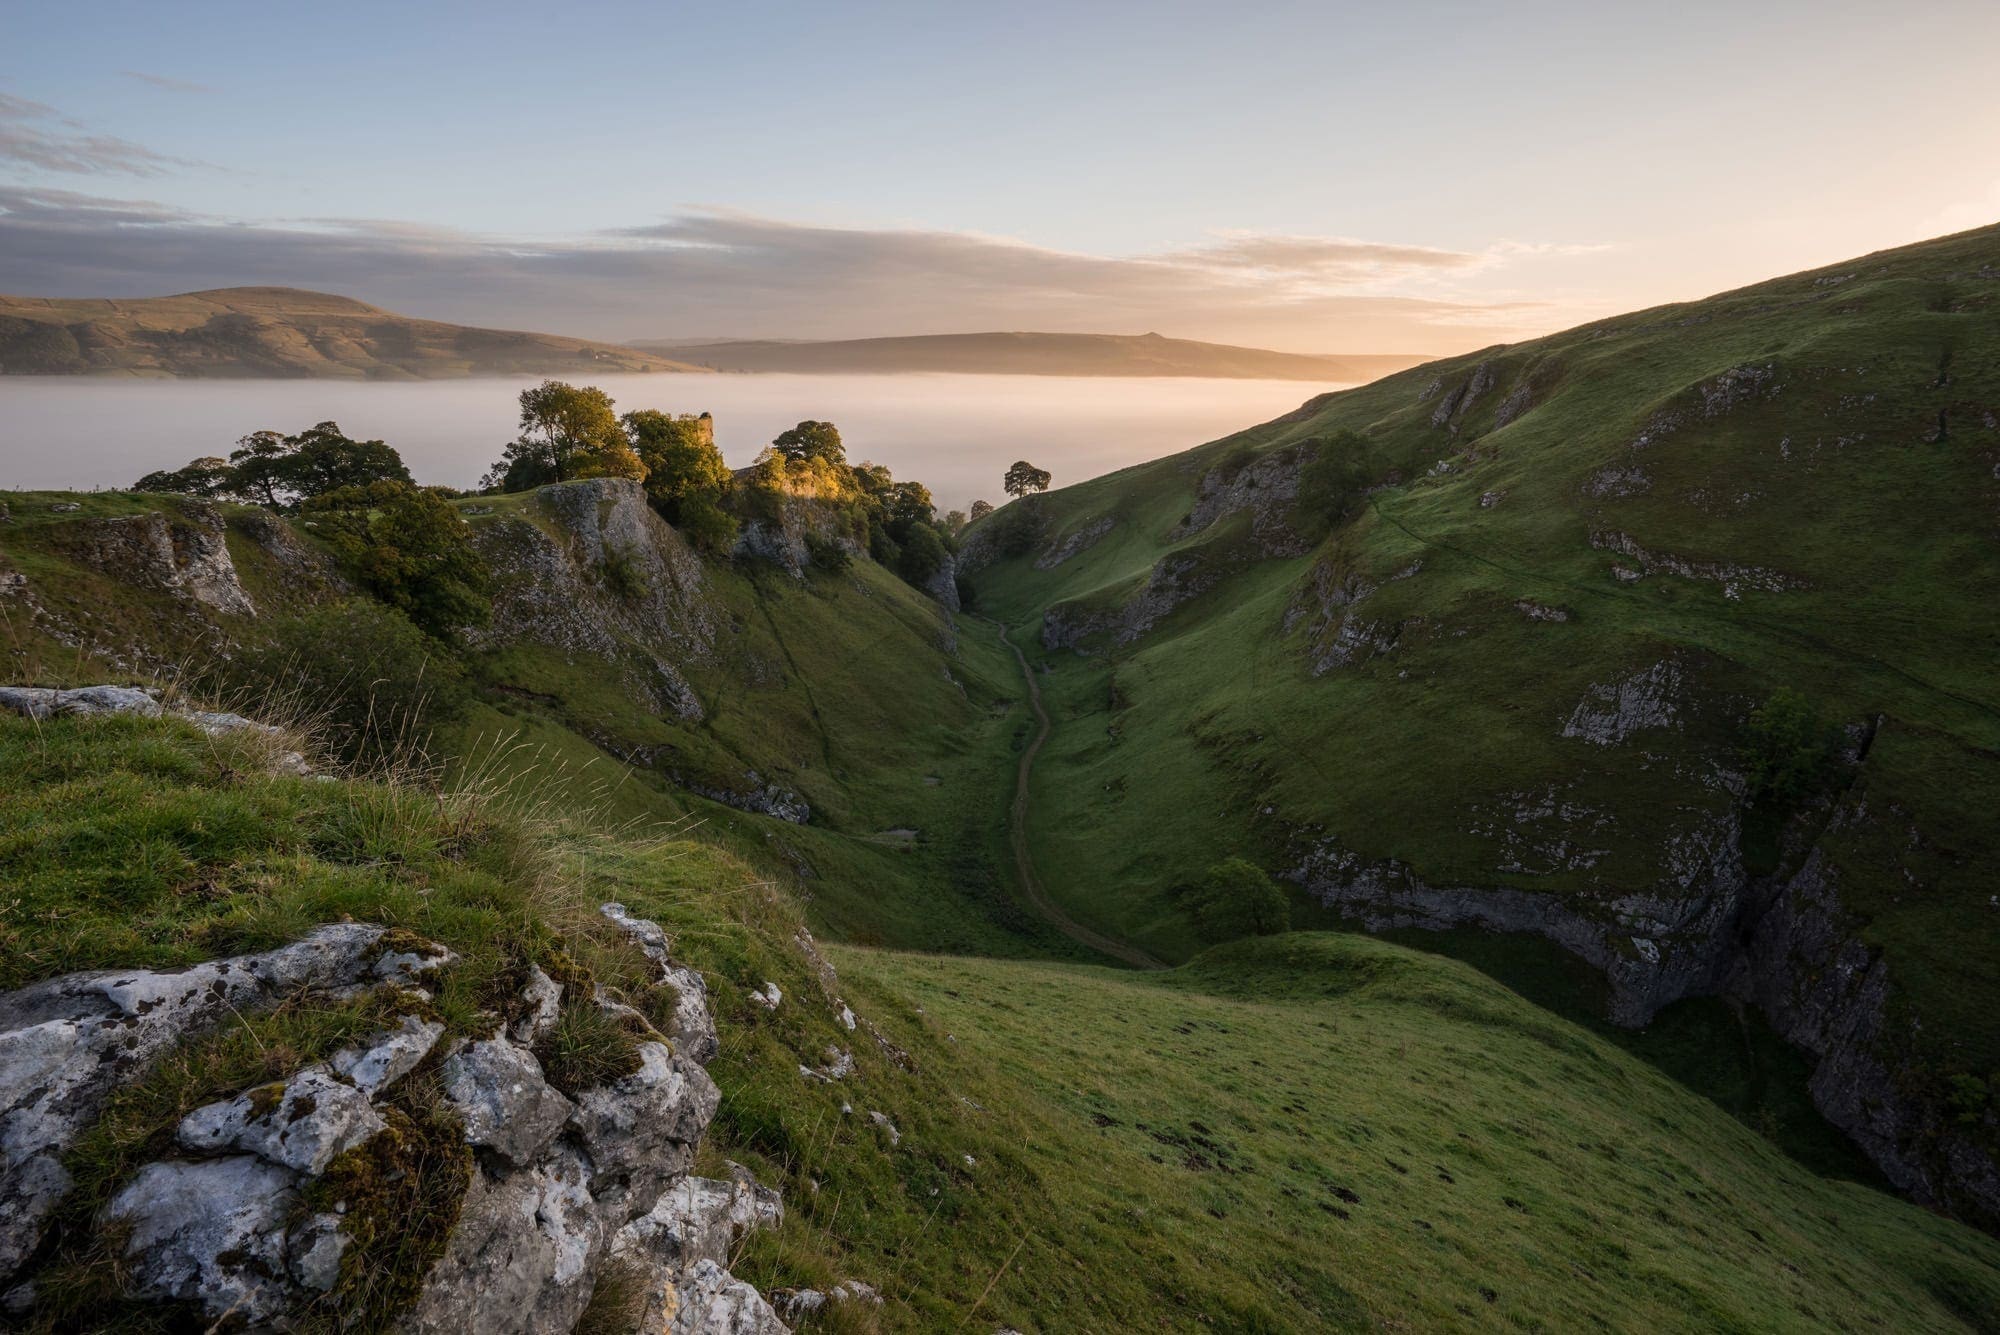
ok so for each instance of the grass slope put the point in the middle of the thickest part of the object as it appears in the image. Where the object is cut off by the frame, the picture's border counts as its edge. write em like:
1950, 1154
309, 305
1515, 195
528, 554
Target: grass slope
1309, 1132
1828, 444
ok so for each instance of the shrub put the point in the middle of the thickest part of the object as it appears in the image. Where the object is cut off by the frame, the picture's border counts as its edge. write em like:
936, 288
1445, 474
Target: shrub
1235, 898
923, 555
409, 547
1788, 749
706, 524
1333, 483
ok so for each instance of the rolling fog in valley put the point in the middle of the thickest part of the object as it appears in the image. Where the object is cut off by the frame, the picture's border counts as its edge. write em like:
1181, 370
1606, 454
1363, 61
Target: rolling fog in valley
955, 433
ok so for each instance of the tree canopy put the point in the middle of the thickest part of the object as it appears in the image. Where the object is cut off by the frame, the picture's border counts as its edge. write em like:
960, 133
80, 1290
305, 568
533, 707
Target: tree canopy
270, 468
409, 547
567, 432
1024, 478
811, 441
1235, 898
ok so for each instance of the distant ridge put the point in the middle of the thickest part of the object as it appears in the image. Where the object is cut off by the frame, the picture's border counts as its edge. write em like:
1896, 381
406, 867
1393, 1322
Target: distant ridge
280, 333
1034, 354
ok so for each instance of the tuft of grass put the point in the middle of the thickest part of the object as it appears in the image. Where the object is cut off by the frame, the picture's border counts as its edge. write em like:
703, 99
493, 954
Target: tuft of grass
586, 1047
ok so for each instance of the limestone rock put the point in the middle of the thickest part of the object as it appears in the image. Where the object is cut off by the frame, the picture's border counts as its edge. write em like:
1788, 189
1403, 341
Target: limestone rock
711, 1301
542, 999
67, 1043
499, 1092
642, 1129
387, 1058
211, 1232
693, 1028
187, 555
302, 1123
523, 1256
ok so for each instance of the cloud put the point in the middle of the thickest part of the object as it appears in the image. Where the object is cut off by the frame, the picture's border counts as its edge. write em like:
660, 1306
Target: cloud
35, 135
172, 85
712, 272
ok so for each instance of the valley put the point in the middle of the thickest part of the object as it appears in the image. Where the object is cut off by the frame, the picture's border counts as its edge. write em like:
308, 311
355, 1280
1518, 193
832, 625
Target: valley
1611, 718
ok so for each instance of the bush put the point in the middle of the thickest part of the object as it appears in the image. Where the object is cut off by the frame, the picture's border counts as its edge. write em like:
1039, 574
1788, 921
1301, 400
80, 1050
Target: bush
706, 524
1235, 898
1333, 483
367, 678
408, 547
1788, 749
923, 555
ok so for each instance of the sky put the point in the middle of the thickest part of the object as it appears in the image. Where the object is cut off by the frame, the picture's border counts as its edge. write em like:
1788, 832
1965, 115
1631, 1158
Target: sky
1415, 177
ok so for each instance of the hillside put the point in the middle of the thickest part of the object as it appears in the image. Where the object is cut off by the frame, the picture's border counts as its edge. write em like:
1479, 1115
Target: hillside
1032, 1145
279, 333
1475, 649
1031, 354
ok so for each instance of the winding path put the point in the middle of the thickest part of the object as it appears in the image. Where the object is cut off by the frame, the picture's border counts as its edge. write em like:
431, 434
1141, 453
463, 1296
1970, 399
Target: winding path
1017, 835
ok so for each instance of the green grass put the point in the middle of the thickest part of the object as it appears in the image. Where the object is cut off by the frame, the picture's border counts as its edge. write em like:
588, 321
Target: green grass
1161, 1150
1212, 736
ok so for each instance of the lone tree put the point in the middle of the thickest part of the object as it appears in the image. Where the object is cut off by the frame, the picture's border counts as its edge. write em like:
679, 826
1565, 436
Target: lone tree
567, 432
1235, 898
811, 441
981, 509
686, 478
1024, 479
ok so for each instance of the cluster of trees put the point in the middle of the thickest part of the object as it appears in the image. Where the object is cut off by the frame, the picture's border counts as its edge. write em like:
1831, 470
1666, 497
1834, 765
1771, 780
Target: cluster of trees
403, 543
270, 468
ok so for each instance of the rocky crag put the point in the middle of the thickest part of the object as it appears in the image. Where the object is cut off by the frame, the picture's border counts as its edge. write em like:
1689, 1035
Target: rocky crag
249, 1214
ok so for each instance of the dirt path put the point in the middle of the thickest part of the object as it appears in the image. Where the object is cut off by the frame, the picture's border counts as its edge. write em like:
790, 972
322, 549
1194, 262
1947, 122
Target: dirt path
1017, 835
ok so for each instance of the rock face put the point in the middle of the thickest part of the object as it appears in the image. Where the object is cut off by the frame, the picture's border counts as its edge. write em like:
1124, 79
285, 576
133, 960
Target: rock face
802, 523
1784, 945
187, 554
66, 1044
1267, 487
568, 1188
601, 575
563, 1187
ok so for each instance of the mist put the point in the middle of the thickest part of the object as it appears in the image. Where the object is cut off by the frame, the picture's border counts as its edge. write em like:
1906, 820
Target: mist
955, 433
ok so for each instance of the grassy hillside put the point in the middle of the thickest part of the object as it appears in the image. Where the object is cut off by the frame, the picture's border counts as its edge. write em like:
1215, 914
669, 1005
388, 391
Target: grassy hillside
1031, 354
1862, 537
281, 333
1312, 1132
1503, 670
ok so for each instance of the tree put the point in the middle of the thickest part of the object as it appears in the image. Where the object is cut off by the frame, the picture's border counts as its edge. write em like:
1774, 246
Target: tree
408, 547
1024, 478
921, 555
980, 509
206, 477
1333, 482
1788, 749
953, 521
1235, 898
324, 459
686, 477
817, 442
906, 507
257, 467
567, 432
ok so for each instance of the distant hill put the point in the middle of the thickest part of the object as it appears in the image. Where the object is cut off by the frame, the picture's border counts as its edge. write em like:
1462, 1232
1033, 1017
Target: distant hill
1033, 354
279, 333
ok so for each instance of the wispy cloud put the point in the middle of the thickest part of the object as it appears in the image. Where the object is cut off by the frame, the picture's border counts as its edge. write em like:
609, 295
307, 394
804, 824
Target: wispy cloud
33, 134
712, 271
167, 82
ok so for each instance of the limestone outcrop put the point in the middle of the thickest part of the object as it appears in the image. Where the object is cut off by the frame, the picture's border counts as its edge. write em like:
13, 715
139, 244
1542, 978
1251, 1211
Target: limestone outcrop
563, 1188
